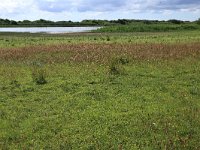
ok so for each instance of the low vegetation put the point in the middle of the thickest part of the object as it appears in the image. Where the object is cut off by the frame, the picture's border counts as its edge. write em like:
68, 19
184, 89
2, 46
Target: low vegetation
152, 27
100, 91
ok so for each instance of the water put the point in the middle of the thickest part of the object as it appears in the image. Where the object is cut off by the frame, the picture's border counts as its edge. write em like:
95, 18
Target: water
49, 29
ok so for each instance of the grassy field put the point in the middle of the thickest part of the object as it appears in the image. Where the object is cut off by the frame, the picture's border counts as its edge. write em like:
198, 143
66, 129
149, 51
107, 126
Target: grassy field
151, 27
100, 91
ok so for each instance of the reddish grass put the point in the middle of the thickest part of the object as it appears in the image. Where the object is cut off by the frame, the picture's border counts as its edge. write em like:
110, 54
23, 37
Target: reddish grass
99, 53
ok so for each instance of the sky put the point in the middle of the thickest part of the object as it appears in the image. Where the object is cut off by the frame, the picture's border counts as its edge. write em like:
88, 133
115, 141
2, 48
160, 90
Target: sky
77, 10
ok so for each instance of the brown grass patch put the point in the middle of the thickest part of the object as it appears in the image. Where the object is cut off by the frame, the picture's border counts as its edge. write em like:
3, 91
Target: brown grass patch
99, 53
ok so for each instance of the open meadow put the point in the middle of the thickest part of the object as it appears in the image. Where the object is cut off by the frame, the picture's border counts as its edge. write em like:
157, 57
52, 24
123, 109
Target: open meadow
138, 90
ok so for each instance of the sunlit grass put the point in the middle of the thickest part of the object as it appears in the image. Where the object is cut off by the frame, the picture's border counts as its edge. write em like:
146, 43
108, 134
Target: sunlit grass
22, 39
150, 101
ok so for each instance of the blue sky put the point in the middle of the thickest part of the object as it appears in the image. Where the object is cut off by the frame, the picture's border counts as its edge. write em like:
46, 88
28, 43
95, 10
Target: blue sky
77, 10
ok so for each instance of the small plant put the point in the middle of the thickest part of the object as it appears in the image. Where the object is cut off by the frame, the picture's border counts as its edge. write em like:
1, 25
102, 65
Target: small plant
123, 60
39, 74
116, 65
15, 83
114, 69
108, 38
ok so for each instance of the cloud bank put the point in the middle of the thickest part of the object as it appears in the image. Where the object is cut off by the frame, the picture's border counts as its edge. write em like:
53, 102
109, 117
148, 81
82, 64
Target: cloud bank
112, 5
46, 7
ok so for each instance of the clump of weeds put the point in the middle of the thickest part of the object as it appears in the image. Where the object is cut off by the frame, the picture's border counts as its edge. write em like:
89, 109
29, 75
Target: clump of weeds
116, 66
108, 38
39, 73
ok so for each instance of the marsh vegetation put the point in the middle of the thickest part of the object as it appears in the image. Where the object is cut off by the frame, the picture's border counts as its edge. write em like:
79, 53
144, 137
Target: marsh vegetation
100, 90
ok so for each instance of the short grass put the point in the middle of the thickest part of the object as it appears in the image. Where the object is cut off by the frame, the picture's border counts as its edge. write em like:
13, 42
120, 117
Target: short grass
150, 102
25, 39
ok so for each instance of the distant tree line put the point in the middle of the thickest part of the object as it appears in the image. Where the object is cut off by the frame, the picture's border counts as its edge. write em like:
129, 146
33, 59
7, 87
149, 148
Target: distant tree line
47, 23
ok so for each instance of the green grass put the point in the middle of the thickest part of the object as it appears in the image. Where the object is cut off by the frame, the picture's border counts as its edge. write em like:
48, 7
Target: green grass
26, 39
150, 104
152, 27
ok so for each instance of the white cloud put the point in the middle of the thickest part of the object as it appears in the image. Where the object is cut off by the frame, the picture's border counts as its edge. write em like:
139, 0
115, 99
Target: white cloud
84, 9
14, 6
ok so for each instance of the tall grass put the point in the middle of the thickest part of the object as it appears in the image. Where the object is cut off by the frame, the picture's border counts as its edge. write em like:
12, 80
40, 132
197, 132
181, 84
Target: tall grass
149, 28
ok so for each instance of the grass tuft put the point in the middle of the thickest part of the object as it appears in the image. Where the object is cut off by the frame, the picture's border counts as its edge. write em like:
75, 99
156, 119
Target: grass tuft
39, 73
116, 65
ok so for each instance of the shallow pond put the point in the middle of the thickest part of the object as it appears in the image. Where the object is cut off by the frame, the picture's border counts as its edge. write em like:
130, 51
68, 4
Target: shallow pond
49, 29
